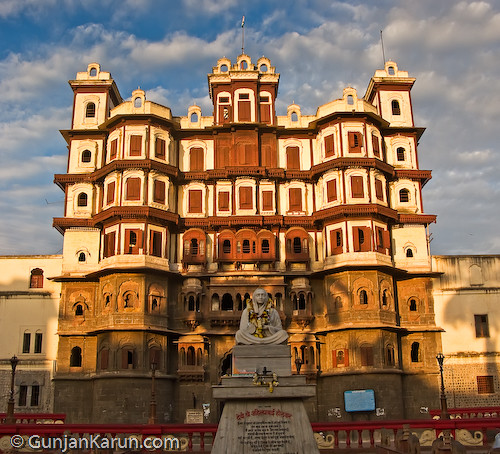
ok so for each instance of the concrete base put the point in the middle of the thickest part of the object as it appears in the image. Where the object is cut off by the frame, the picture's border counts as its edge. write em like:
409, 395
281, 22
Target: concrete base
256, 420
248, 359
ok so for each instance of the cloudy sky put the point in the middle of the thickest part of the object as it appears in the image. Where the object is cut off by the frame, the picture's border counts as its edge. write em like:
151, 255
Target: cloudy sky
318, 46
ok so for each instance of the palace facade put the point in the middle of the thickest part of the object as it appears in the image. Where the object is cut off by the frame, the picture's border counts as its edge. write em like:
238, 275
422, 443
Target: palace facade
170, 223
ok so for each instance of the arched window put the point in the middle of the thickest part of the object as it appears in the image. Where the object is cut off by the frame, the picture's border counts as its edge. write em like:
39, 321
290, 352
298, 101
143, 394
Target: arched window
413, 305
415, 352
215, 302
226, 246
199, 357
191, 359
86, 156
154, 357
350, 100
93, 72
263, 68
227, 302
409, 252
194, 246
155, 305
182, 356
400, 153
82, 199
391, 71
194, 117
404, 195
79, 310
246, 246
363, 297
396, 109
36, 278
191, 304
294, 117
90, 110
302, 302
389, 355
82, 257
223, 68
243, 65
297, 245
137, 102
75, 359
338, 302
385, 299
239, 302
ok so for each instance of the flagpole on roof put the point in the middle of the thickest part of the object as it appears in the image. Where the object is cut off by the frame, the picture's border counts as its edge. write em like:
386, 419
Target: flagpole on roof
243, 35
382, 43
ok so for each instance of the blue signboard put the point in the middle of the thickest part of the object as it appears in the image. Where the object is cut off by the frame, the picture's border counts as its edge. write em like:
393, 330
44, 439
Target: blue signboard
359, 400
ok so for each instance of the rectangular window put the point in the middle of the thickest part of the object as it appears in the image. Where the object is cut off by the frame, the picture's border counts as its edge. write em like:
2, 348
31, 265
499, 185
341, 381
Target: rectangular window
366, 356
355, 142
155, 243
135, 145
133, 241
23, 394
104, 360
109, 244
485, 384
113, 152
267, 200
159, 192
110, 193
379, 190
244, 110
380, 240
336, 241
38, 342
357, 189
292, 158
223, 201
331, 190
246, 193
196, 160
35, 396
340, 358
362, 239
482, 328
26, 342
133, 189
160, 148
376, 146
195, 197
329, 147
295, 199
265, 112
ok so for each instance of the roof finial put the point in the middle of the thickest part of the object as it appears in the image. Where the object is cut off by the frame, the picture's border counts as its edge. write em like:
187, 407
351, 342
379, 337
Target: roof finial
243, 35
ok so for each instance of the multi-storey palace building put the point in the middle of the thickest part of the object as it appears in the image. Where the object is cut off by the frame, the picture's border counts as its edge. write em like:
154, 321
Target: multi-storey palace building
170, 223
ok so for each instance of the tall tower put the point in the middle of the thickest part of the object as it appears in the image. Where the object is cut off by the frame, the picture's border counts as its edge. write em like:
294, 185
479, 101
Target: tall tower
172, 222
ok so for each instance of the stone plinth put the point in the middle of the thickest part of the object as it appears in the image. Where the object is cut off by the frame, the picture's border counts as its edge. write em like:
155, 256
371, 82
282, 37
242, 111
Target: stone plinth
256, 420
248, 359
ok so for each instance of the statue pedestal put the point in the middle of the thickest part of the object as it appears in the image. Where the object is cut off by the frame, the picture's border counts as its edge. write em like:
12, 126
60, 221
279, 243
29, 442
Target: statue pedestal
248, 359
256, 420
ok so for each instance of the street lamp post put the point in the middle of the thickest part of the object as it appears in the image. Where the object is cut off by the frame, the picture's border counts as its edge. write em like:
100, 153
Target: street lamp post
444, 404
152, 404
10, 419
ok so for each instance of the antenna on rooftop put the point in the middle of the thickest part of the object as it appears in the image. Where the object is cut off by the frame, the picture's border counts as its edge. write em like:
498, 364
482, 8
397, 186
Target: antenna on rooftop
243, 35
382, 43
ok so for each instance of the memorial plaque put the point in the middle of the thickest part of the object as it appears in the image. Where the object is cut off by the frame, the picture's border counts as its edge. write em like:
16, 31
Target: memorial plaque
194, 416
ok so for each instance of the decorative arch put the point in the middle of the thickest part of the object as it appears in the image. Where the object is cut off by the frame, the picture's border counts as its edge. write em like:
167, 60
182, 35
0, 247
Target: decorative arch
194, 247
297, 245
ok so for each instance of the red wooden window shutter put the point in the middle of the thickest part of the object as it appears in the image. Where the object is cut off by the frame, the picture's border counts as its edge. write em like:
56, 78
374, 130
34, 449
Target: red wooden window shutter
155, 243
329, 147
133, 189
160, 148
355, 142
267, 200
196, 159
295, 199
124, 359
223, 201
387, 239
265, 113
246, 197
334, 358
376, 146
336, 241
104, 359
225, 114
135, 145
379, 190
113, 149
110, 193
195, 200
133, 241
109, 244
331, 190
222, 157
293, 158
357, 187
362, 239
346, 357
244, 111
380, 239
159, 191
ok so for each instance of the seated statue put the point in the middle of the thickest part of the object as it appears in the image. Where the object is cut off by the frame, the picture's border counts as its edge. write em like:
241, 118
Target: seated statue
260, 322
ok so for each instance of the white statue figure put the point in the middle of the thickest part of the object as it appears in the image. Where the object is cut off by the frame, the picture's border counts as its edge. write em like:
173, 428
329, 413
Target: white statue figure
260, 322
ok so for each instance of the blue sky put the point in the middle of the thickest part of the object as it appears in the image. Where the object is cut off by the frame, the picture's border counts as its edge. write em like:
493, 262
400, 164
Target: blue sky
319, 47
